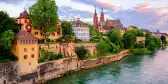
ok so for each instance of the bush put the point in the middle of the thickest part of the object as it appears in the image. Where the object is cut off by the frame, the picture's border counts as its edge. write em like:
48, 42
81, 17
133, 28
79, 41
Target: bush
139, 45
81, 52
52, 56
78, 41
60, 56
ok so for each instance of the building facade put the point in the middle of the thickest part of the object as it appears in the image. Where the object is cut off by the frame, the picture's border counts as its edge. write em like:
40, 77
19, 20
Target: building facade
25, 24
81, 29
105, 25
26, 48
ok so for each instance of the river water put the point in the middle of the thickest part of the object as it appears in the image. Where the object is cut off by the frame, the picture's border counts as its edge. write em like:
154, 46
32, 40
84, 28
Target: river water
144, 69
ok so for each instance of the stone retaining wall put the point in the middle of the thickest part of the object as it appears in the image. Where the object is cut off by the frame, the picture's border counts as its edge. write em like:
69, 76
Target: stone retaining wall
84, 64
46, 71
57, 68
8, 72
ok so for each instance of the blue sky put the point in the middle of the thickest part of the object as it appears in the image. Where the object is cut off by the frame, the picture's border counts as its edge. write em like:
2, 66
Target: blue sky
146, 14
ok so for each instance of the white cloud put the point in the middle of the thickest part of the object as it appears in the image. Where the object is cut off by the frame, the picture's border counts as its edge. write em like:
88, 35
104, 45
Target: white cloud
12, 10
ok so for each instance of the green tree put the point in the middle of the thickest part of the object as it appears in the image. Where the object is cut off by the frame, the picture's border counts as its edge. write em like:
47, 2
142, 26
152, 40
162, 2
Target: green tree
136, 32
44, 15
67, 28
115, 36
92, 30
6, 39
103, 47
8, 28
128, 40
81, 52
163, 39
7, 23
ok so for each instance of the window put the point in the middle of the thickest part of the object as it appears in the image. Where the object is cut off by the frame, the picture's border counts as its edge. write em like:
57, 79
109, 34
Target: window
20, 41
23, 41
59, 26
32, 41
29, 41
26, 42
53, 34
25, 56
25, 49
32, 56
29, 63
32, 49
36, 33
25, 21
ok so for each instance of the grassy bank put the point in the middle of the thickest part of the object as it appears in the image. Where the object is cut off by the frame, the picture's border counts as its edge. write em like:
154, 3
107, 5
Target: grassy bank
140, 51
94, 57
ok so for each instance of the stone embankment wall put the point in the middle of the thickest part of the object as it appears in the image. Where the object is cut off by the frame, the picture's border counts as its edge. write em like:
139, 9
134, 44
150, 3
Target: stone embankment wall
57, 68
9, 73
84, 64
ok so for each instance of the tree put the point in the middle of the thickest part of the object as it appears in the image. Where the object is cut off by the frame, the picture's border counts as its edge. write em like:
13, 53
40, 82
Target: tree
6, 39
44, 15
92, 30
163, 39
103, 47
67, 28
8, 28
7, 23
128, 40
136, 32
81, 52
115, 36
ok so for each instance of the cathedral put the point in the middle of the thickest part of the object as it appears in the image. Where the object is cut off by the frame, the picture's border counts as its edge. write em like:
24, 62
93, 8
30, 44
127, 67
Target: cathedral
105, 26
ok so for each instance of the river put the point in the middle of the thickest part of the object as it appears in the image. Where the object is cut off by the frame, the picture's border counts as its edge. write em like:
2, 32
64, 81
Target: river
144, 69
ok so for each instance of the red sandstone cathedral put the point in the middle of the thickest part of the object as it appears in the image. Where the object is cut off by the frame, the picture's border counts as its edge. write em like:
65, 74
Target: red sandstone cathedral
104, 26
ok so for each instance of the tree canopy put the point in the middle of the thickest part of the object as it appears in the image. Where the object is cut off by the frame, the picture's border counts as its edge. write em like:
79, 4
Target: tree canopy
44, 15
67, 28
8, 29
92, 30
115, 36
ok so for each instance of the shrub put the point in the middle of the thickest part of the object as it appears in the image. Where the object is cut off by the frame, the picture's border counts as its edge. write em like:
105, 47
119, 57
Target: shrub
60, 56
81, 52
52, 56
139, 45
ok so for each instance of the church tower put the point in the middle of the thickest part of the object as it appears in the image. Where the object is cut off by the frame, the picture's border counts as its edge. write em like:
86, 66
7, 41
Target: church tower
102, 16
95, 19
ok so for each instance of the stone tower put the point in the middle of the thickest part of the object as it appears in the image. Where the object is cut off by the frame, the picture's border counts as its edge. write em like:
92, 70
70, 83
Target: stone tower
95, 19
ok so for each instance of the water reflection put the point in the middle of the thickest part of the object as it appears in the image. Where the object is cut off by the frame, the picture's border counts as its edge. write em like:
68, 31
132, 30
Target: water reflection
143, 69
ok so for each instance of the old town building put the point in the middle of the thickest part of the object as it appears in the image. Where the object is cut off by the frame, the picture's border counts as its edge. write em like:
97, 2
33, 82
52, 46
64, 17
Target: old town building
81, 29
25, 24
25, 47
105, 26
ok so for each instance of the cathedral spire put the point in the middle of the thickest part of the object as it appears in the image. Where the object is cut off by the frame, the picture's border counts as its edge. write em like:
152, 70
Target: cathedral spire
95, 19
102, 15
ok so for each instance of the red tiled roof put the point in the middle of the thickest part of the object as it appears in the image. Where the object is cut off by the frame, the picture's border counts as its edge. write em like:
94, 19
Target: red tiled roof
25, 35
24, 14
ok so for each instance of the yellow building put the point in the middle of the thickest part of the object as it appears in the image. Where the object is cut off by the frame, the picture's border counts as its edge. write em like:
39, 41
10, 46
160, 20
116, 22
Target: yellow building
27, 50
25, 24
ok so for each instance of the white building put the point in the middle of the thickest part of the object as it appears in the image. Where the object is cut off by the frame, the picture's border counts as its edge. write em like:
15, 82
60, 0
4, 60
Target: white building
81, 29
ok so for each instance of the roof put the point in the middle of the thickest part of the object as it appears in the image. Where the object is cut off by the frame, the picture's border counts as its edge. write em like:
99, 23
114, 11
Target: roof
24, 14
25, 35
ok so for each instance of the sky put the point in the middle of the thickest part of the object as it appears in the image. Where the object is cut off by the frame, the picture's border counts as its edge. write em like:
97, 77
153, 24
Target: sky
145, 14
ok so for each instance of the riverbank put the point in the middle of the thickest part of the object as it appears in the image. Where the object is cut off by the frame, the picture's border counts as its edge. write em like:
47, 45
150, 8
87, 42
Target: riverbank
58, 68
138, 69
53, 69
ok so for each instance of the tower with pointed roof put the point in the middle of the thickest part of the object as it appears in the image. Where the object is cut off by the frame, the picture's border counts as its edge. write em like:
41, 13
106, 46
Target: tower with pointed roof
95, 19
102, 16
